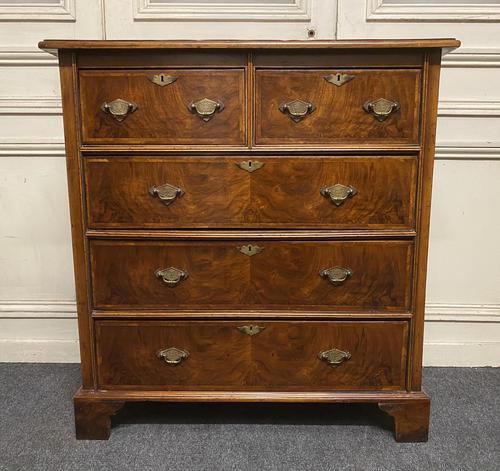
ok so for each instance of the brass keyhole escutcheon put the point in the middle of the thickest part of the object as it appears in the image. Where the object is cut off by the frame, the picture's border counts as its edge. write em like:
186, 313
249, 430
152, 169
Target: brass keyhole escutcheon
338, 79
250, 165
251, 329
162, 80
250, 249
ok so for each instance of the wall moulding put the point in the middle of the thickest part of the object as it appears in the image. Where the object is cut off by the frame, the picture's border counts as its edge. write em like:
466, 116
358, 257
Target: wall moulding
18, 56
32, 148
49, 10
31, 105
158, 10
408, 10
473, 57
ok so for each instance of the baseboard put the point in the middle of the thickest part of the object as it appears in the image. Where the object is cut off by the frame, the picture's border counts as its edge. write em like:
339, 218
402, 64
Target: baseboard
39, 351
45, 331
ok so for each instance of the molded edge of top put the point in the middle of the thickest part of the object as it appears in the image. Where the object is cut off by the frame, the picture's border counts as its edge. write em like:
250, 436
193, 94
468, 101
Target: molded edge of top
53, 45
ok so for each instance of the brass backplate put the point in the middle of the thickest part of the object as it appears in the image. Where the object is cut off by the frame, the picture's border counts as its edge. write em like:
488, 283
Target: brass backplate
250, 249
338, 78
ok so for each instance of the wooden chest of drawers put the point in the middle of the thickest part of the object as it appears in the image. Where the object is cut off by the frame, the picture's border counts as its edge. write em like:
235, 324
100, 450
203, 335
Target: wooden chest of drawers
250, 221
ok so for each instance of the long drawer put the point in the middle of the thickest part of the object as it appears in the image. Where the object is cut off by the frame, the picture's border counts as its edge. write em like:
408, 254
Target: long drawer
167, 106
226, 192
325, 275
254, 355
304, 107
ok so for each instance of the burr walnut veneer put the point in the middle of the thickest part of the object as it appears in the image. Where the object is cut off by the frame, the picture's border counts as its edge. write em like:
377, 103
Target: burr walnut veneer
250, 221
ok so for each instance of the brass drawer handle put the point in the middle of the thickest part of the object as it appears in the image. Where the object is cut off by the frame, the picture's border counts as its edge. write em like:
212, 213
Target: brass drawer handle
336, 275
381, 108
162, 80
206, 108
172, 355
171, 276
297, 109
119, 109
338, 193
251, 329
334, 357
166, 193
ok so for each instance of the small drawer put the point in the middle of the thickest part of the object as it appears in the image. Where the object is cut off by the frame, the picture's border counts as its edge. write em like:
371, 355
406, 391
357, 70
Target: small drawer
308, 107
171, 107
240, 274
252, 355
223, 192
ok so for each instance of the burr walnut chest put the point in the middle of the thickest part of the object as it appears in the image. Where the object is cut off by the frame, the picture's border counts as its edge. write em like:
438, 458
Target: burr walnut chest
250, 221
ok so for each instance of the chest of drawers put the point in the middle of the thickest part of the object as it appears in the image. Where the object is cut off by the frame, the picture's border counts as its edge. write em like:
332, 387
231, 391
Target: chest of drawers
250, 221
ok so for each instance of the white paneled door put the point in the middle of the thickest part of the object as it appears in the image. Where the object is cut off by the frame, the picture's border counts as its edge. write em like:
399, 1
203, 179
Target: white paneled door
215, 19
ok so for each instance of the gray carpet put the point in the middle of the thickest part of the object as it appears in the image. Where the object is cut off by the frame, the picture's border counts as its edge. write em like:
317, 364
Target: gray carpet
36, 430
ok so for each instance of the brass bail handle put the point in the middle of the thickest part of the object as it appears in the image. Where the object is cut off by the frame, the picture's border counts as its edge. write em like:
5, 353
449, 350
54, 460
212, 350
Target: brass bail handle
173, 355
119, 109
336, 275
338, 193
297, 109
166, 193
171, 276
381, 108
334, 357
206, 108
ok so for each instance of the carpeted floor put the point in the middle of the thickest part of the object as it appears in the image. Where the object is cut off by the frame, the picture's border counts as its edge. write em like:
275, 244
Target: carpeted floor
36, 430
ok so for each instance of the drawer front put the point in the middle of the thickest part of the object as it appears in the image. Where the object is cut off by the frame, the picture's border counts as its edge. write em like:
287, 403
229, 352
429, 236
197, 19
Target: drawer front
172, 275
302, 107
171, 114
282, 356
299, 192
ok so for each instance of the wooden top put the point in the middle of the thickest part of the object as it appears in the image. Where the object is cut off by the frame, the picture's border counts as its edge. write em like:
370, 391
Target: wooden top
57, 44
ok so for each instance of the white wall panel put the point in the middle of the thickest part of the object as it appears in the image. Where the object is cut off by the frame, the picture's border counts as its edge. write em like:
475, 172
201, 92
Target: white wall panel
257, 19
35, 248
464, 257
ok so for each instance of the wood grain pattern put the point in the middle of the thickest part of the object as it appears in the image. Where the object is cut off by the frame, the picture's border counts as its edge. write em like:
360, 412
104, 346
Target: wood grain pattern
284, 356
284, 275
339, 114
162, 114
285, 192
429, 118
68, 77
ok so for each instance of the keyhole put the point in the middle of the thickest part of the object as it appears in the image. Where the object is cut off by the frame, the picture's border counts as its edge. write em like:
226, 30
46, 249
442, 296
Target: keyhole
249, 163
162, 78
311, 33
338, 77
